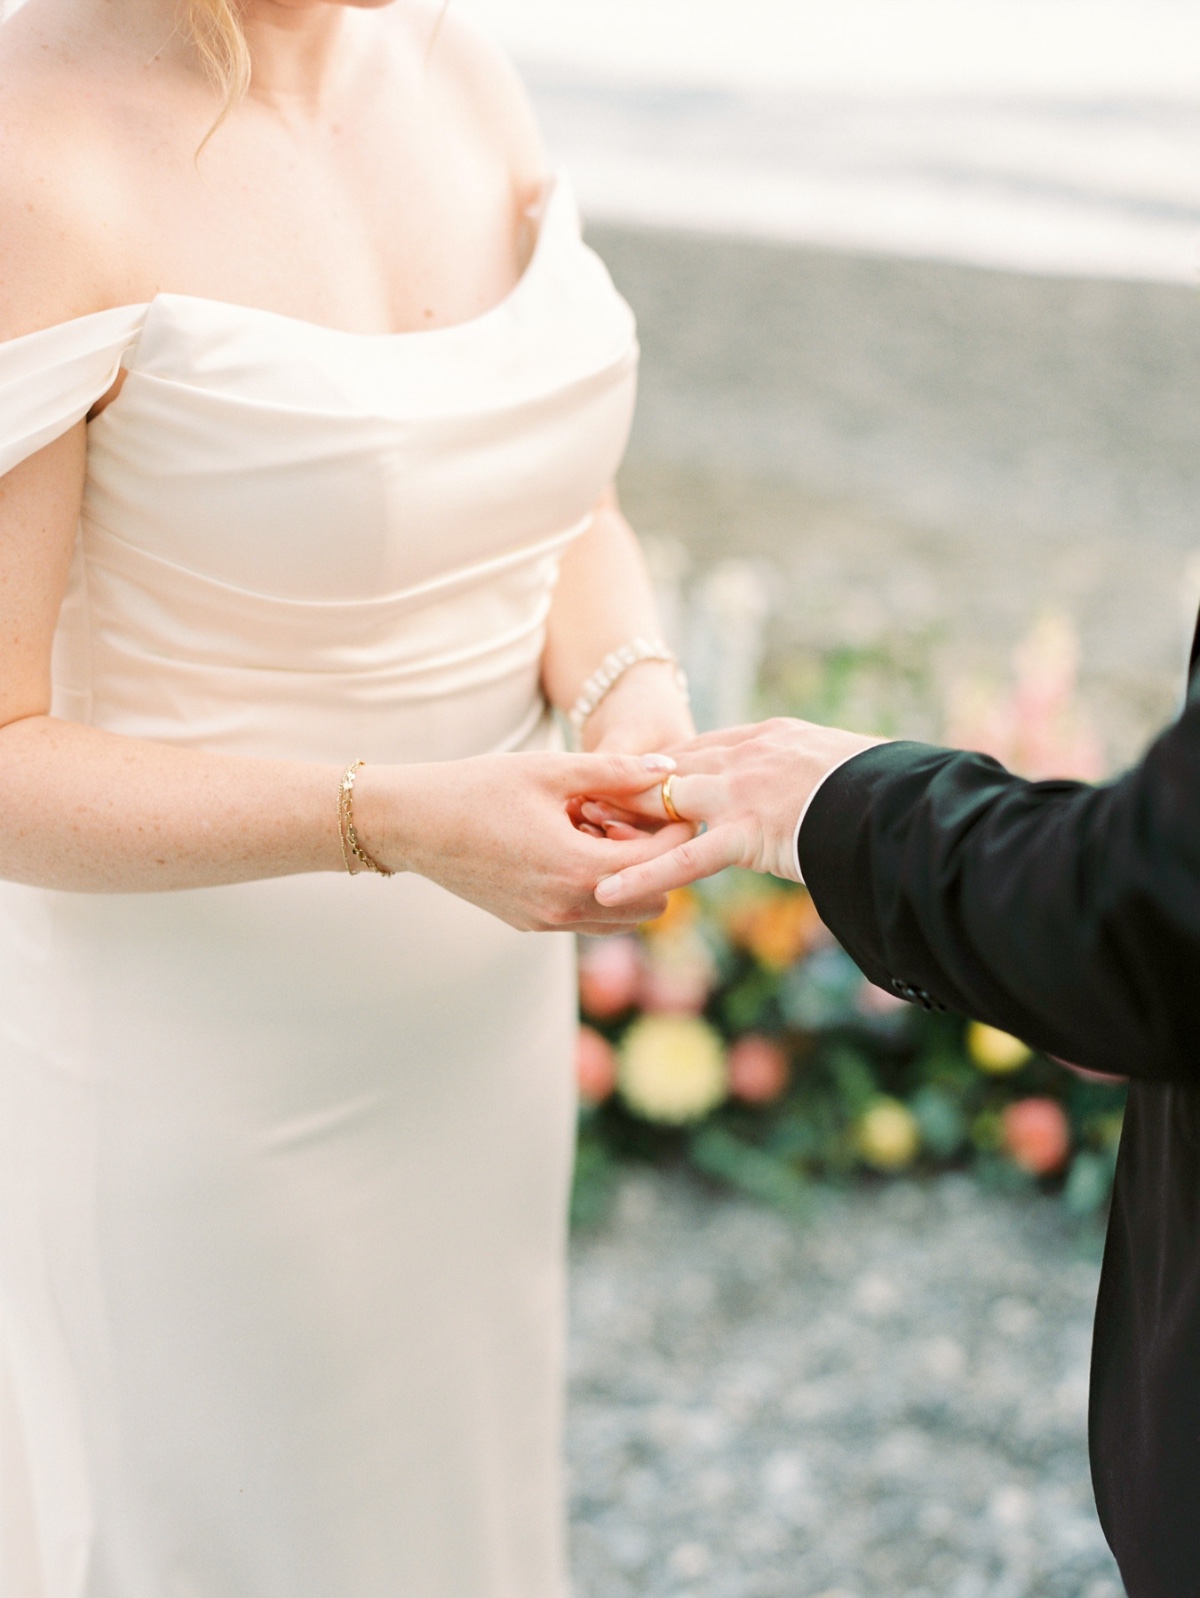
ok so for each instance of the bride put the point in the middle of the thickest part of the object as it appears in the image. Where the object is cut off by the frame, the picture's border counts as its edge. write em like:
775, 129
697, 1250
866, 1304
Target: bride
310, 401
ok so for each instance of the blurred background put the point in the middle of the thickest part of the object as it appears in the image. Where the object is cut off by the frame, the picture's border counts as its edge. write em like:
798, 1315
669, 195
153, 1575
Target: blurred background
915, 451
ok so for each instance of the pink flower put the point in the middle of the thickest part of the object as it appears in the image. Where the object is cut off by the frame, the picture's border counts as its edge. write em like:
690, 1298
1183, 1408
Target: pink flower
678, 975
610, 970
595, 1066
1035, 728
1103, 1077
873, 1000
758, 1069
1037, 1135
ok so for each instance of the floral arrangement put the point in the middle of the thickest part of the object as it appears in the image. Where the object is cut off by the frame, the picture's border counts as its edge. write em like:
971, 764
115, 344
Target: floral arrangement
735, 1034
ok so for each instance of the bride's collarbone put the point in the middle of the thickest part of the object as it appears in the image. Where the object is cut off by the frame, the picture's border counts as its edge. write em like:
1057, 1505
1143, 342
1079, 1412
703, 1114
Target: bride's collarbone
359, 245
437, 269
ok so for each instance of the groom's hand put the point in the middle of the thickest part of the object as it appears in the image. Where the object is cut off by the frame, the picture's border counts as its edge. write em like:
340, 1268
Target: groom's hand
749, 786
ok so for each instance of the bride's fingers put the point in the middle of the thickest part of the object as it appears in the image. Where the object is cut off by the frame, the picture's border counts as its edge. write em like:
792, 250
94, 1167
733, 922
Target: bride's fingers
649, 911
599, 811
600, 822
621, 831
608, 774
610, 855
697, 857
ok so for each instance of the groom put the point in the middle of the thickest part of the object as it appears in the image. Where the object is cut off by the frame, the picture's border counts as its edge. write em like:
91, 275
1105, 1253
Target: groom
1069, 915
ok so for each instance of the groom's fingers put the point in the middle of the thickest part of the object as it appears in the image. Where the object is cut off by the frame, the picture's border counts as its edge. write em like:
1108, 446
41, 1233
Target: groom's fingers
709, 761
697, 857
719, 738
617, 855
697, 797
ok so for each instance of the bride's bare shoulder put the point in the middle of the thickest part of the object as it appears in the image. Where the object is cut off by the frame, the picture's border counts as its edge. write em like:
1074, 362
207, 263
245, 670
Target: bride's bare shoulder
54, 230
473, 67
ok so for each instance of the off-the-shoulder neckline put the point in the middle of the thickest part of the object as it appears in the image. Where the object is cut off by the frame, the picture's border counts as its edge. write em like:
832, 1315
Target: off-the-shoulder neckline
551, 198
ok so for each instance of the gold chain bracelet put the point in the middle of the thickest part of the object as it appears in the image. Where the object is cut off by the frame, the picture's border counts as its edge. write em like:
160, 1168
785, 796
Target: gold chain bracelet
349, 837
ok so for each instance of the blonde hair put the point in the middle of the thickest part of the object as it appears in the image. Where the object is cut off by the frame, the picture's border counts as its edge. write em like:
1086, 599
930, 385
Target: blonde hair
216, 30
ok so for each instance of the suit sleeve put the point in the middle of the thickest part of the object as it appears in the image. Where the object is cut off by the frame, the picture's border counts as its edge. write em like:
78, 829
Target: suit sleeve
1064, 913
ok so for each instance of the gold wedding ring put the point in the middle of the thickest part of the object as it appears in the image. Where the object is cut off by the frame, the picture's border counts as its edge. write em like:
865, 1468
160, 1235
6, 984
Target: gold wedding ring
667, 802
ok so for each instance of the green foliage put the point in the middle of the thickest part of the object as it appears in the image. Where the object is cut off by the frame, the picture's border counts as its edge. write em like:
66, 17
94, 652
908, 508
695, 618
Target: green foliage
595, 1171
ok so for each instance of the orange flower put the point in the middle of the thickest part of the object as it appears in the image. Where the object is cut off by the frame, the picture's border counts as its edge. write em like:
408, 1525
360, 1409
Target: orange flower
683, 909
1037, 1136
784, 928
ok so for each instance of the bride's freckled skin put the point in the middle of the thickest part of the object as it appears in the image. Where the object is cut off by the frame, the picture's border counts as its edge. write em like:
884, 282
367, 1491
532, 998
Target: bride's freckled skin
326, 1123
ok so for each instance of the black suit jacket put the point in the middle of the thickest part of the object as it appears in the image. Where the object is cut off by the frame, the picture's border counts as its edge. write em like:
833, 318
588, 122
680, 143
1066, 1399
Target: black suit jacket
1069, 915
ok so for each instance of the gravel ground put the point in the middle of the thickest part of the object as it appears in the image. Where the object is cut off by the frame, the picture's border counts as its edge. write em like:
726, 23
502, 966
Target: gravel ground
885, 1401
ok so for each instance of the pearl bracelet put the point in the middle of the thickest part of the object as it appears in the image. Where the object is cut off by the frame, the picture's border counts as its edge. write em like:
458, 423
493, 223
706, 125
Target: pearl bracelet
613, 667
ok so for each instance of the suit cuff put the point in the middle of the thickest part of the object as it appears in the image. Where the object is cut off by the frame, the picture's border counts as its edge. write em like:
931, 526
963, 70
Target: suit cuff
807, 806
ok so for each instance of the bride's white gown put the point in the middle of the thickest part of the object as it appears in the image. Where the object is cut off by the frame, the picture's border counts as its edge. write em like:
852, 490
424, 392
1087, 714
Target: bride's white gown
283, 1166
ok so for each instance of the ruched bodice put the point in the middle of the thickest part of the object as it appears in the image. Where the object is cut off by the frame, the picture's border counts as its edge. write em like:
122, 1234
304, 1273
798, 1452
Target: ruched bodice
284, 1165
379, 517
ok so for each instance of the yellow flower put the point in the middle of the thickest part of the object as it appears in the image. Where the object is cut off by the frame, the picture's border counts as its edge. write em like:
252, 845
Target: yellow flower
994, 1051
672, 1068
888, 1135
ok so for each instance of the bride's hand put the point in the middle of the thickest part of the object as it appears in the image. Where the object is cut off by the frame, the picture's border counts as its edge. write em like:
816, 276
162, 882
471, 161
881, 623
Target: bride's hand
643, 712
498, 830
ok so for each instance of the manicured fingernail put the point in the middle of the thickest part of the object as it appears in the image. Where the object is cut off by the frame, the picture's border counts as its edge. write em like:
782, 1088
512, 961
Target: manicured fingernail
658, 762
608, 888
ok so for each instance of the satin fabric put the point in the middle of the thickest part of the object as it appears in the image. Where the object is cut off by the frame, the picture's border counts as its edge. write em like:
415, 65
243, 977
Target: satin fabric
283, 1166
